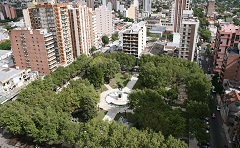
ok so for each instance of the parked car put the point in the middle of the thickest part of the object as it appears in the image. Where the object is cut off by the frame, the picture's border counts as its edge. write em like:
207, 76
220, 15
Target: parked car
218, 108
213, 115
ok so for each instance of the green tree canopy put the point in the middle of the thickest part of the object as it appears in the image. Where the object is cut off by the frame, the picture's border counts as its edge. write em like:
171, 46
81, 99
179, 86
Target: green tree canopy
206, 35
105, 40
114, 37
5, 45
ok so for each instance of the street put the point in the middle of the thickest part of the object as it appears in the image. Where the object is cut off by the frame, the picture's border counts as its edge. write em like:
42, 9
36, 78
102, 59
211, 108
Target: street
218, 138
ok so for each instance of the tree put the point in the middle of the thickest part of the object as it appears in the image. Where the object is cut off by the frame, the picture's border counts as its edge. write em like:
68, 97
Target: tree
198, 87
95, 76
152, 112
114, 37
197, 109
206, 35
5, 45
105, 40
93, 48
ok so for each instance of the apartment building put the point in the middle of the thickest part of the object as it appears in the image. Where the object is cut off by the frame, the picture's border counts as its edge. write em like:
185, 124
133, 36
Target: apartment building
134, 39
34, 49
132, 12
83, 29
226, 36
210, 8
54, 18
63, 32
104, 21
188, 38
90, 4
231, 62
7, 11
147, 6
180, 5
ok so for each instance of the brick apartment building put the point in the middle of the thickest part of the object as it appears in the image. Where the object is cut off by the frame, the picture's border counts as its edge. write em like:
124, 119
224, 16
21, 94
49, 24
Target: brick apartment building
226, 36
34, 49
231, 62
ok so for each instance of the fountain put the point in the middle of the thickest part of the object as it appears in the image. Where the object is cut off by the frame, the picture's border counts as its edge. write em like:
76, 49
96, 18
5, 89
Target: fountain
118, 97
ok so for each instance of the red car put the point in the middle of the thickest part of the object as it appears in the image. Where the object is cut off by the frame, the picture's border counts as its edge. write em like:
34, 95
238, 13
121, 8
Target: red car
213, 116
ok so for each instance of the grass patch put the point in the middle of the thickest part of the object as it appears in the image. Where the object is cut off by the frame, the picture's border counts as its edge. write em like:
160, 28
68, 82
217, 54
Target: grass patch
121, 79
102, 89
137, 85
129, 116
101, 113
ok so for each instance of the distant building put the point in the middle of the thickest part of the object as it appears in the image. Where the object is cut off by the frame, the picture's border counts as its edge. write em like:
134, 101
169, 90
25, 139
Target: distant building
104, 21
7, 11
90, 4
180, 5
147, 6
132, 12
226, 36
34, 49
134, 39
210, 8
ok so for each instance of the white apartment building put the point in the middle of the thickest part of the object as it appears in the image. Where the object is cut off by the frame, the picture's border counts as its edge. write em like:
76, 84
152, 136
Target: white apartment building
83, 25
147, 6
134, 39
12, 80
104, 21
188, 39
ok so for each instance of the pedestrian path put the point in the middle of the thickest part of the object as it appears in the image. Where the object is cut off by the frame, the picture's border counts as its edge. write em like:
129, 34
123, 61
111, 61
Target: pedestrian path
113, 109
108, 86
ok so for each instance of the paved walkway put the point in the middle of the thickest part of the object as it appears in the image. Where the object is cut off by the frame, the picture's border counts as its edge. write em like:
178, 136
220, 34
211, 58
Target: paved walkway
112, 109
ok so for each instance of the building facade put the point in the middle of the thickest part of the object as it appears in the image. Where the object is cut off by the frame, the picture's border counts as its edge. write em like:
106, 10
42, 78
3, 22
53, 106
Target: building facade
63, 32
147, 6
54, 18
231, 62
8, 11
90, 4
134, 39
83, 29
188, 39
180, 5
210, 8
104, 21
226, 36
34, 49
132, 12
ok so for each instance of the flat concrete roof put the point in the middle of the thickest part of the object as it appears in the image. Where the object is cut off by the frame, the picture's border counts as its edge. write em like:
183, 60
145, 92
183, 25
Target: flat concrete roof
8, 73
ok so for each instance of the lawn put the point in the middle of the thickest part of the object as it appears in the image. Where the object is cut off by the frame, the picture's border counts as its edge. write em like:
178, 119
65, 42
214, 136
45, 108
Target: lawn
101, 113
130, 117
120, 79
102, 89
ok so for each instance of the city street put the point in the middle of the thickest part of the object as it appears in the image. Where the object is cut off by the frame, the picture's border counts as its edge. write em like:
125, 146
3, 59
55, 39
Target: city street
218, 138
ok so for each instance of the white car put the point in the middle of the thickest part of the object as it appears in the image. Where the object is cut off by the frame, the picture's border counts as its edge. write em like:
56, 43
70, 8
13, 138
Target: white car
218, 108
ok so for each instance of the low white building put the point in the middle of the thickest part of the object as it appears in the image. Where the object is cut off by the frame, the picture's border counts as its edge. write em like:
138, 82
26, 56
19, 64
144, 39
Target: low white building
134, 39
12, 80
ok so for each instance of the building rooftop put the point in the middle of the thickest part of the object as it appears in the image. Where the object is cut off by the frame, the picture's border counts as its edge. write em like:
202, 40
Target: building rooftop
5, 62
158, 28
230, 28
135, 28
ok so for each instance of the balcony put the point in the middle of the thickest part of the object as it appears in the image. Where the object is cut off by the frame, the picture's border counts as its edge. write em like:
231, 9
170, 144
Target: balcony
50, 55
